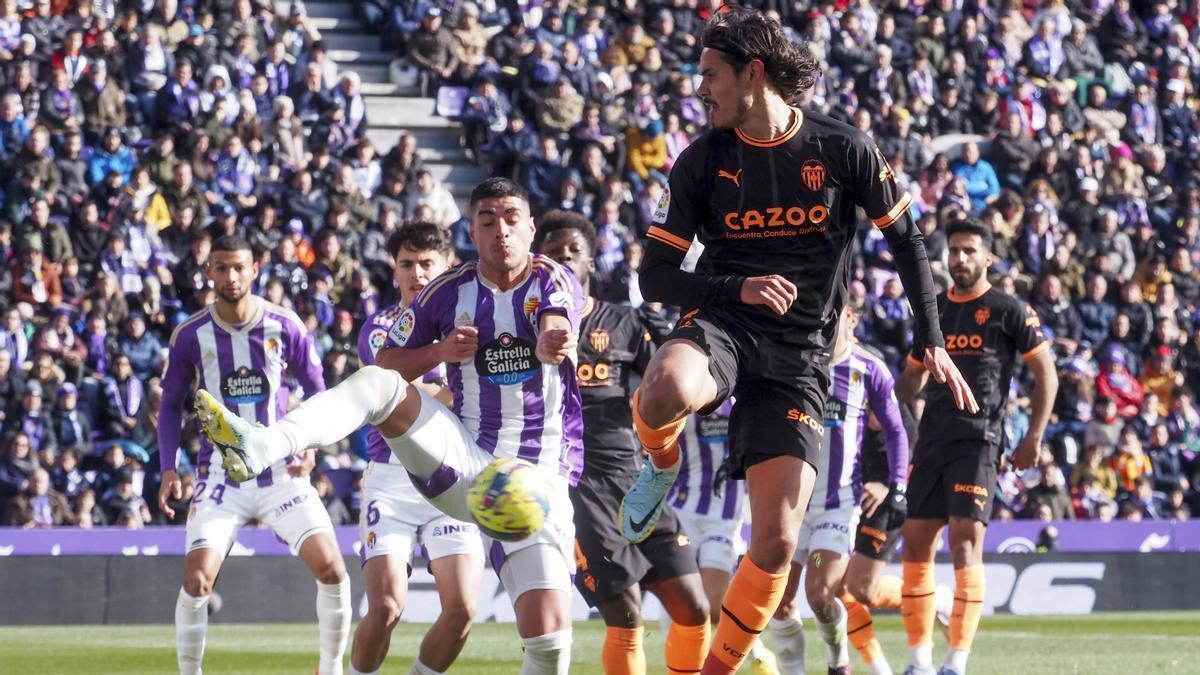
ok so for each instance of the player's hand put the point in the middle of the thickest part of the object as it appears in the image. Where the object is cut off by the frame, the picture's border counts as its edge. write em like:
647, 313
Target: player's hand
170, 488
943, 370
873, 495
459, 345
1027, 453
303, 467
774, 291
554, 345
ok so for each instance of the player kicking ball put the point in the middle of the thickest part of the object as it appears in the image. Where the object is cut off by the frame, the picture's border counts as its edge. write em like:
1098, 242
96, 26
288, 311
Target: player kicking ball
839, 587
957, 455
612, 572
505, 327
241, 347
773, 194
395, 517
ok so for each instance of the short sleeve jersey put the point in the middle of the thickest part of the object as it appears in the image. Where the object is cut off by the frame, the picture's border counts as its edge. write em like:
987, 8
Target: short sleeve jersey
984, 336
614, 343
786, 206
511, 403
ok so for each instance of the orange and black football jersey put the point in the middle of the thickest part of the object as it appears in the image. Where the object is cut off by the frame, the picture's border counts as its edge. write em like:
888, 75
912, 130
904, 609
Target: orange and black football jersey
787, 207
984, 336
614, 342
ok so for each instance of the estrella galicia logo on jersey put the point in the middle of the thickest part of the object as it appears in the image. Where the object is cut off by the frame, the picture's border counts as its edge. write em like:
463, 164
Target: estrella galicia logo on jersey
835, 412
599, 339
506, 360
403, 328
376, 339
664, 205
982, 315
245, 386
812, 172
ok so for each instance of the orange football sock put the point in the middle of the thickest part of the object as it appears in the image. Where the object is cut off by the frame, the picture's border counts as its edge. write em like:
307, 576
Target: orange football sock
861, 629
968, 605
659, 443
685, 648
887, 593
751, 599
622, 653
917, 603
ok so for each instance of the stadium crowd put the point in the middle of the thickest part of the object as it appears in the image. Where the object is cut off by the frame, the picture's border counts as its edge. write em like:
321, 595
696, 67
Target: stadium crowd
134, 133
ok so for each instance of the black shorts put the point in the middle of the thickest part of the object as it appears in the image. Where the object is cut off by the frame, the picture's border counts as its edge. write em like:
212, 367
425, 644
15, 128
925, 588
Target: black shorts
780, 390
953, 479
875, 539
606, 563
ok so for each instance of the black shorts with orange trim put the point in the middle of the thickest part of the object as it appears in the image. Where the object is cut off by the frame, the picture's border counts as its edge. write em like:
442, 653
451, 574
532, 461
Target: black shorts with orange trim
779, 390
953, 479
606, 563
875, 539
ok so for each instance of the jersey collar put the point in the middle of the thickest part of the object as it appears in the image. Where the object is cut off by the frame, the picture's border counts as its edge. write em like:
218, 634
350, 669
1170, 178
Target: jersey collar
953, 296
791, 131
589, 306
228, 327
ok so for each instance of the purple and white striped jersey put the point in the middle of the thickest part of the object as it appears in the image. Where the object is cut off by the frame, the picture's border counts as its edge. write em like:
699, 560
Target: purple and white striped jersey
860, 384
512, 404
244, 367
703, 447
371, 338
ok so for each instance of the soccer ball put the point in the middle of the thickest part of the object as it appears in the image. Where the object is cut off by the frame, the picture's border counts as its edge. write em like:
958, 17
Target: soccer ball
509, 499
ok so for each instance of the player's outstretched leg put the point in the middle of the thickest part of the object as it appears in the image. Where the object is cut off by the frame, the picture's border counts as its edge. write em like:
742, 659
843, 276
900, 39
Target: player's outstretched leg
643, 505
367, 397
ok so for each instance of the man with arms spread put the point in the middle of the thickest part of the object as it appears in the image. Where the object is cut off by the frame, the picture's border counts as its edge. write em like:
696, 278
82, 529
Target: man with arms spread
241, 347
505, 327
860, 387
772, 193
955, 460
610, 571
396, 517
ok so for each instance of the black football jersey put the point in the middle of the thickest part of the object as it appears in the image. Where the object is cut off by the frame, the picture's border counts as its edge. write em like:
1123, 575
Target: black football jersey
786, 206
984, 336
614, 342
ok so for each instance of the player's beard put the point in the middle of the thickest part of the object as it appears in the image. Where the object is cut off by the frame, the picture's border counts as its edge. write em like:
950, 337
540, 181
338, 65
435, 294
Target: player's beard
964, 280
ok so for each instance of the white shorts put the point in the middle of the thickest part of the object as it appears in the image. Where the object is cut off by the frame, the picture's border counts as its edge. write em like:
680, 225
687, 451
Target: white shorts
437, 432
290, 507
718, 542
396, 518
827, 530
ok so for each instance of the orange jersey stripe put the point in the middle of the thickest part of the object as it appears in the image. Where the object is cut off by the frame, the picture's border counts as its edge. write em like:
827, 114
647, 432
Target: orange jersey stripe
1036, 350
672, 240
890, 217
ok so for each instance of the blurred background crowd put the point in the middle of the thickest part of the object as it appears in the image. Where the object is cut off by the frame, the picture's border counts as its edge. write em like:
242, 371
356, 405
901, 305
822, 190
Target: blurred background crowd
132, 133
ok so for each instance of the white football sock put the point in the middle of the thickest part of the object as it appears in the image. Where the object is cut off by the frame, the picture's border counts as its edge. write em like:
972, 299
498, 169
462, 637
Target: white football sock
333, 620
788, 635
956, 659
191, 626
356, 671
834, 634
422, 669
757, 650
367, 397
548, 654
920, 656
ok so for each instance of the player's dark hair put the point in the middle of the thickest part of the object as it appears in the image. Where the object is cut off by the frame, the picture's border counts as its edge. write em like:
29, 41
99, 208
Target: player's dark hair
422, 236
497, 187
743, 35
970, 226
559, 220
231, 243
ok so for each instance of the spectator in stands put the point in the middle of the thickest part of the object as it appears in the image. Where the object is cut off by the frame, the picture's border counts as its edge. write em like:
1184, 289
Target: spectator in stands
38, 505
1050, 493
17, 464
981, 182
338, 513
1117, 384
431, 49
36, 286
1170, 468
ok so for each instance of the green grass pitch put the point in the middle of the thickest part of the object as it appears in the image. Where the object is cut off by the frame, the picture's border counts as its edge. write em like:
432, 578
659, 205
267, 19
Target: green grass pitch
1098, 644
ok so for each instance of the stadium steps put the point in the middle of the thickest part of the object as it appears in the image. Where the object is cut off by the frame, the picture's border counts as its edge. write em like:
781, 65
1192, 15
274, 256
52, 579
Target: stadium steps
392, 111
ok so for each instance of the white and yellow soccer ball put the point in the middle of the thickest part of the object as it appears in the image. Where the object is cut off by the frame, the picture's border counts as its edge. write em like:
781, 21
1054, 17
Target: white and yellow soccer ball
509, 499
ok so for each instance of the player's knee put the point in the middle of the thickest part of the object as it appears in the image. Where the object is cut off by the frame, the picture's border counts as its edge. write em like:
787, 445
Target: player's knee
387, 613
665, 397
862, 590
820, 598
197, 583
331, 572
772, 547
458, 617
623, 611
